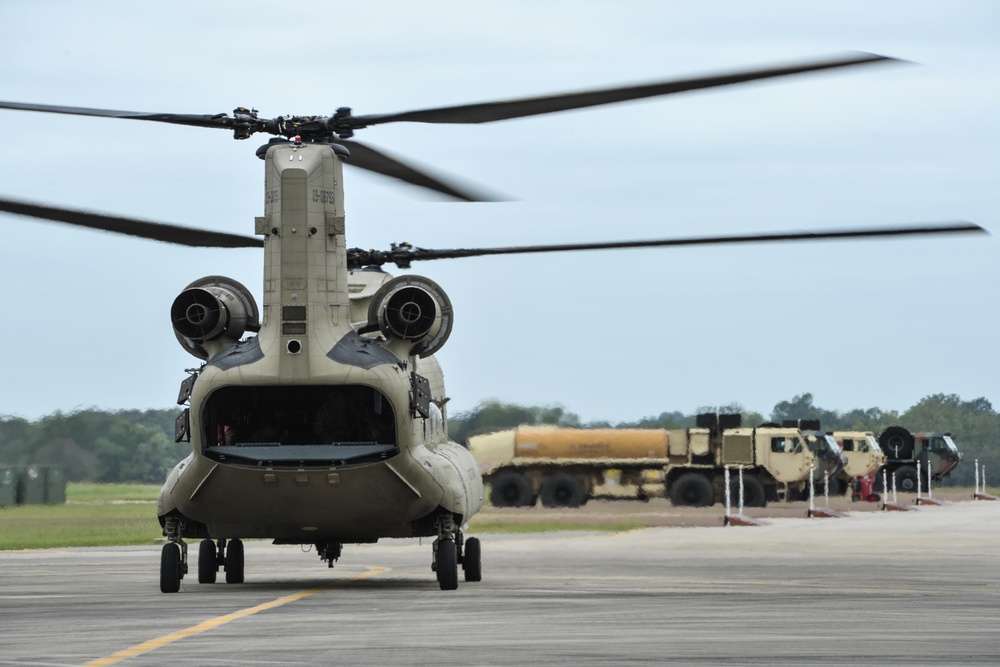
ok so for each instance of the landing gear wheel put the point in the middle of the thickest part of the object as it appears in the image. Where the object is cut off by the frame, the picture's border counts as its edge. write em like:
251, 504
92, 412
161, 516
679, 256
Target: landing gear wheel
234, 562
208, 569
170, 568
447, 565
472, 560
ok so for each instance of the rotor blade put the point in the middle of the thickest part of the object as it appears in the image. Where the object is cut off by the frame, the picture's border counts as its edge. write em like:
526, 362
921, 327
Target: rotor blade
403, 255
366, 157
502, 110
214, 120
156, 231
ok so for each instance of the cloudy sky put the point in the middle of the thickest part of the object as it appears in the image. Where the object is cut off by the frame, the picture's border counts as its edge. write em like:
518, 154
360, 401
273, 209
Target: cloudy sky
609, 335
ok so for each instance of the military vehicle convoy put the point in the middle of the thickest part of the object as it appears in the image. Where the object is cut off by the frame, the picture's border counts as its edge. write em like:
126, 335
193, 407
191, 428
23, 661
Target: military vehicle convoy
905, 451
563, 466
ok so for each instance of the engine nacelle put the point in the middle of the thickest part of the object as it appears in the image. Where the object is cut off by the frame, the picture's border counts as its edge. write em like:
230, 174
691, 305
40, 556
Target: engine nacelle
413, 309
212, 314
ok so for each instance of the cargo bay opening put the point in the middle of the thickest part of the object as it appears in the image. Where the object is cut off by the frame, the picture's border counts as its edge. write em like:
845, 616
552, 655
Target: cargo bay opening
318, 425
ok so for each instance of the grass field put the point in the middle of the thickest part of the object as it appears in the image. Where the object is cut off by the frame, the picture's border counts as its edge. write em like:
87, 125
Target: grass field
125, 514
93, 515
97, 493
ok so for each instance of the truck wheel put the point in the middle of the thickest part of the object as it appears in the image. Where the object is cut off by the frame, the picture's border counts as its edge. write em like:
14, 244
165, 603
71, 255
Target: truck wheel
836, 489
692, 490
877, 486
511, 489
753, 492
562, 490
897, 443
906, 479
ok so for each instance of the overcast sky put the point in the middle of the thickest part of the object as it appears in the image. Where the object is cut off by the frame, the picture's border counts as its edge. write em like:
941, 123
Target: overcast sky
612, 335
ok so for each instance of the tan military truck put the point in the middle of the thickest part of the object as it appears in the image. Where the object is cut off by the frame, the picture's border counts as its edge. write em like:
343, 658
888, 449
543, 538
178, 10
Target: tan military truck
564, 466
864, 457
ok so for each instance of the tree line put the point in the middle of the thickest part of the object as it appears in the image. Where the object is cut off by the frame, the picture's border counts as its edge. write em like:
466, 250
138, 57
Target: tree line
96, 445
138, 445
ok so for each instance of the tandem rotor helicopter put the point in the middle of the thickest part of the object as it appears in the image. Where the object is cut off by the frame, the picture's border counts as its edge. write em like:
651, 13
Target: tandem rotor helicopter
319, 417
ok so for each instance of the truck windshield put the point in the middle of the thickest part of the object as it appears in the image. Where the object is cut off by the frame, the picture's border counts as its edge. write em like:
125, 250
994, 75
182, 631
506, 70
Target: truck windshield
942, 444
824, 446
870, 444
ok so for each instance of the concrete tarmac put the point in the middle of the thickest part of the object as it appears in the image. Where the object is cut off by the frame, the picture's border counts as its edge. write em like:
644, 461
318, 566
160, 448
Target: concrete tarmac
879, 588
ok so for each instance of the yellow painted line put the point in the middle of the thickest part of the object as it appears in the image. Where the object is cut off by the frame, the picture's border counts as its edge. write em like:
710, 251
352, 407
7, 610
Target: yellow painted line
152, 644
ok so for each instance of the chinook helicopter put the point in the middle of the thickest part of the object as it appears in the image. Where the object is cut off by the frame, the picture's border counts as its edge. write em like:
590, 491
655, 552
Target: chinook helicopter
319, 418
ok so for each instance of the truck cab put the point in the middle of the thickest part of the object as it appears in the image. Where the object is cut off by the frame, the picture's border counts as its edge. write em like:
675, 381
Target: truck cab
778, 460
830, 460
864, 455
905, 451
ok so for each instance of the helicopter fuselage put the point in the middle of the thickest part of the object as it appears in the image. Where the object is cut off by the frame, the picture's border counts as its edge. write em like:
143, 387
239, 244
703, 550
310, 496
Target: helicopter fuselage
310, 432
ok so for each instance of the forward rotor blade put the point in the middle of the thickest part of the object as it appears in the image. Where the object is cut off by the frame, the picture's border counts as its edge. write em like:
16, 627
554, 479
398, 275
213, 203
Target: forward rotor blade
156, 231
198, 120
402, 256
531, 106
366, 157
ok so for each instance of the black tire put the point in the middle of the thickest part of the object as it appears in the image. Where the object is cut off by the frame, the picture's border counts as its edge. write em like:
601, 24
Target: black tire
207, 567
906, 479
562, 490
234, 562
511, 489
836, 487
447, 565
754, 494
922, 469
897, 443
170, 568
877, 486
472, 560
692, 490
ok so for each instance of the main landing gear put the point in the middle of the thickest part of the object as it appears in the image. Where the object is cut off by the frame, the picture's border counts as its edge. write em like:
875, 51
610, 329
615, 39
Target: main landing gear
211, 556
451, 549
228, 555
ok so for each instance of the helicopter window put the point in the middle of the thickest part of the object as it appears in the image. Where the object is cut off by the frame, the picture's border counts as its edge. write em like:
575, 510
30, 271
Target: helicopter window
304, 415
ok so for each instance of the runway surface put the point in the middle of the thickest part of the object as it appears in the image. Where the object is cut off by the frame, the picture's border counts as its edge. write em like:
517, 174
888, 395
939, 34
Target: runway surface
872, 588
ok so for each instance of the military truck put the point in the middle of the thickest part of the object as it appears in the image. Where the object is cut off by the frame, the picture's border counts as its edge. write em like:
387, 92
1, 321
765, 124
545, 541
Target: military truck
830, 459
864, 457
563, 467
905, 451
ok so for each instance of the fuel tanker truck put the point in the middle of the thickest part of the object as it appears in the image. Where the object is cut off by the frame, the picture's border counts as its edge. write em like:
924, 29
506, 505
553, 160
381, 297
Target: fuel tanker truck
563, 466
